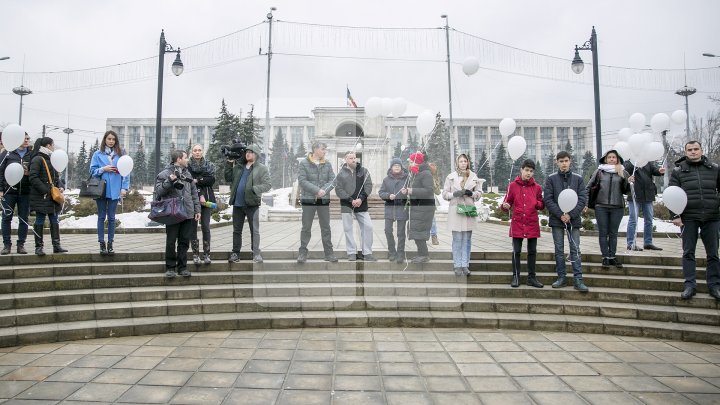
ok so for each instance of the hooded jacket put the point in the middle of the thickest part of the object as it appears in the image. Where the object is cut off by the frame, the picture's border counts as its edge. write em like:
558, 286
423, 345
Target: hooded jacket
554, 185
396, 209
258, 181
164, 188
525, 199
701, 182
312, 177
23, 187
612, 186
350, 185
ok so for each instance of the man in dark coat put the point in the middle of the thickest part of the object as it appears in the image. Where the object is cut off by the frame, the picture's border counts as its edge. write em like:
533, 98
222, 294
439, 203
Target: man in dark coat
394, 191
700, 179
17, 195
645, 191
353, 186
250, 179
562, 222
422, 206
315, 180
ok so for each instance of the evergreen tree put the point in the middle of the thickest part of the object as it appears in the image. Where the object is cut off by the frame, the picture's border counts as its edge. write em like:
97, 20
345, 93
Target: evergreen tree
588, 166
226, 131
301, 152
501, 168
280, 158
72, 170
139, 174
91, 152
483, 170
398, 150
151, 172
539, 173
438, 148
573, 161
82, 163
250, 129
550, 166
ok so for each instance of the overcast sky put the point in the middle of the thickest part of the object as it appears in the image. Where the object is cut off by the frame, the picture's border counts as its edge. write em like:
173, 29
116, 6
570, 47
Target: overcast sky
75, 34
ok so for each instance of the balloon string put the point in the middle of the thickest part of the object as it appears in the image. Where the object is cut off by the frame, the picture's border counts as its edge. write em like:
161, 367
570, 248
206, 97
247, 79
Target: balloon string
572, 242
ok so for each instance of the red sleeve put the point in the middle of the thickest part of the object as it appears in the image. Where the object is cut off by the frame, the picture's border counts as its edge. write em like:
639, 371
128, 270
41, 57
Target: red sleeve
539, 203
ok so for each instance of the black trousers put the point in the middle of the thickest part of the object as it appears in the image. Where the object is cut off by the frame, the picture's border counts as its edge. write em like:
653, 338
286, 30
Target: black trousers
205, 215
253, 216
709, 235
180, 234
400, 235
308, 216
531, 257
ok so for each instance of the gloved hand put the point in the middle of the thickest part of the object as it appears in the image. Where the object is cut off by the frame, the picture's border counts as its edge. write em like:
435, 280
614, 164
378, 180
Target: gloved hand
468, 193
458, 193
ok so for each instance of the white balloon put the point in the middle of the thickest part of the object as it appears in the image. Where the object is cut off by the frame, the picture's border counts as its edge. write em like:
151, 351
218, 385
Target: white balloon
659, 122
386, 106
399, 107
59, 159
125, 165
639, 162
425, 122
675, 199
470, 66
638, 142
13, 173
373, 107
654, 151
679, 116
625, 134
567, 200
13, 136
637, 121
507, 127
623, 149
516, 146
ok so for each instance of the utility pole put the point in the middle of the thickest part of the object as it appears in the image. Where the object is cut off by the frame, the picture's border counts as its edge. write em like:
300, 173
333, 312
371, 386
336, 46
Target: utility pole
266, 139
452, 134
67, 131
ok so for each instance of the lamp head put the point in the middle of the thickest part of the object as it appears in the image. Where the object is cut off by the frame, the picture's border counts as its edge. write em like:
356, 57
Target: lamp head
177, 65
577, 64
710, 55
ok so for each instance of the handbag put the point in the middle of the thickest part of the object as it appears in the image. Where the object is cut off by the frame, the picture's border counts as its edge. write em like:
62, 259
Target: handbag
55, 192
594, 191
469, 210
169, 211
93, 187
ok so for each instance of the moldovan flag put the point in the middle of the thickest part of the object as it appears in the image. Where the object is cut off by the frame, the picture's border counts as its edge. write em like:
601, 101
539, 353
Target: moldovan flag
350, 101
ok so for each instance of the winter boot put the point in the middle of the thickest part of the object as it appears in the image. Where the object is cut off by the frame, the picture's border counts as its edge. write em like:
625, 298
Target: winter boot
6, 249
206, 252
21, 249
110, 249
195, 244
55, 238
103, 249
38, 239
515, 280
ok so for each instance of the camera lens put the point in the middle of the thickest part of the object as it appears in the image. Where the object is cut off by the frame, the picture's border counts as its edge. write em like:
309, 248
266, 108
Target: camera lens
178, 185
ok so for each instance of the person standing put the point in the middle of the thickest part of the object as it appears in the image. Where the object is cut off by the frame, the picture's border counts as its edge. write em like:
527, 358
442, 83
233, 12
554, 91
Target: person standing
394, 191
461, 187
203, 172
611, 181
42, 177
437, 189
700, 179
422, 206
315, 180
15, 196
525, 197
565, 222
103, 164
353, 186
642, 182
249, 179
176, 181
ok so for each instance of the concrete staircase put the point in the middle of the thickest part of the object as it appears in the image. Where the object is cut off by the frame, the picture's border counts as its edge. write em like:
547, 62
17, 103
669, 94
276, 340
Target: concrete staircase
76, 296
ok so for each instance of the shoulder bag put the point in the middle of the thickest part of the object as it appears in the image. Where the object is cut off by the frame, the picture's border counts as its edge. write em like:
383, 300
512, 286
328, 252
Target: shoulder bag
594, 190
55, 192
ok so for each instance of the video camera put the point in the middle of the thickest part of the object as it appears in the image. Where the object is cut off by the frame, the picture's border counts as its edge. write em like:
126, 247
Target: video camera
234, 151
180, 178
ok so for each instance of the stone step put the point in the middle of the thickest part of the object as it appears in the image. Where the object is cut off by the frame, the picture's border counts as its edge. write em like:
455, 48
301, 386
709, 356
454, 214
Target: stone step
53, 332
138, 309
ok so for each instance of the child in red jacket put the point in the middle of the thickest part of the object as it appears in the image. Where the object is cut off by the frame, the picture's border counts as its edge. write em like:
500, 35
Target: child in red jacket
525, 197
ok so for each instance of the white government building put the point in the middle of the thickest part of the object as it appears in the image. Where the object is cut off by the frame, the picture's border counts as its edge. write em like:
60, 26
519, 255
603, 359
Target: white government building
343, 127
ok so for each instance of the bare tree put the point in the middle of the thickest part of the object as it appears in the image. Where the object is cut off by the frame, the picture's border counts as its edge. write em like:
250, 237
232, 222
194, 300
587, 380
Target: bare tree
707, 132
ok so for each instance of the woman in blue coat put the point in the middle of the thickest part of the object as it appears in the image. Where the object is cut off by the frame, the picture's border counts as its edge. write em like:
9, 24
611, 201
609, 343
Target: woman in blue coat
104, 165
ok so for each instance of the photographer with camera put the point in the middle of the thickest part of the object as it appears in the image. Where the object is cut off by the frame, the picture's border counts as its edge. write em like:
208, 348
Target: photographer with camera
203, 172
250, 179
176, 181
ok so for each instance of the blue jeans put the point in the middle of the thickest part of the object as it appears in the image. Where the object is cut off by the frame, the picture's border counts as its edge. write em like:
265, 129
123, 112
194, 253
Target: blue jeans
106, 208
433, 228
608, 222
23, 207
558, 234
647, 212
709, 235
40, 218
460, 248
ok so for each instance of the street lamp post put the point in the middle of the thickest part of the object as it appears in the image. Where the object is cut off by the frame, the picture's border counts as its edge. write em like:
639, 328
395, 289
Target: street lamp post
577, 67
67, 132
686, 92
266, 136
21, 91
177, 69
452, 133
4, 57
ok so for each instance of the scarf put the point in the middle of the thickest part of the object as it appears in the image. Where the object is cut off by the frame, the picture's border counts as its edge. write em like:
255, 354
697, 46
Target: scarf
607, 168
197, 165
464, 175
45, 151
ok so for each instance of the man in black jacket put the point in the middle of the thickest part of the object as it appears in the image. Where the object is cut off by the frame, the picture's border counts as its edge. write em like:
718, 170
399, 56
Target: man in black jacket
700, 179
353, 186
644, 189
16, 195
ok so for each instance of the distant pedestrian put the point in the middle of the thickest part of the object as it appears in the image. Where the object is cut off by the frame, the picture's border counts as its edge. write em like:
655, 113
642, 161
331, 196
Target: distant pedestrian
525, 198
103, 164
353, 185
461, 187
394, 191
437, 189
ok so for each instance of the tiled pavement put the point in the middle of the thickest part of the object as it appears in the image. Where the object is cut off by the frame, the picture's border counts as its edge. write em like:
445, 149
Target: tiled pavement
364, 366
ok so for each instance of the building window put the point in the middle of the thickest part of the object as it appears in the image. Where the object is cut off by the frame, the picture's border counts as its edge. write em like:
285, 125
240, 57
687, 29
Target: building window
580, 138
563, 137
181, 140
311, 133
133, 136
396, 136
463, 138
296, 138
530, 137
495, 136
166, 139
149, 140
546, 140
198, 136
480, 135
